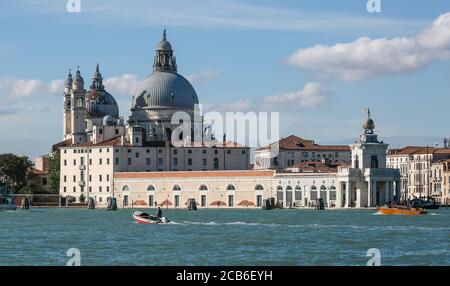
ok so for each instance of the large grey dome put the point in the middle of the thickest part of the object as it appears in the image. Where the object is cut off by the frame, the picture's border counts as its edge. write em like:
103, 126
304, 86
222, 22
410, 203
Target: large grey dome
100, 103
165, 90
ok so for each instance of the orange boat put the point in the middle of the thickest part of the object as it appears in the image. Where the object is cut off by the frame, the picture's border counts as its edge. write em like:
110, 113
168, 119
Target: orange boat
400, 211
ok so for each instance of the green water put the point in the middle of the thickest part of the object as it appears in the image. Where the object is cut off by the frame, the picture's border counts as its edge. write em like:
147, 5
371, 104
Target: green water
224, 237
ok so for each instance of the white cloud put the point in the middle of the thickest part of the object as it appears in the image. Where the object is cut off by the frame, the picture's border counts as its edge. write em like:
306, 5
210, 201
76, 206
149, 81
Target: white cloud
365, 57
124, 84
201, 77
312, 95
11, 88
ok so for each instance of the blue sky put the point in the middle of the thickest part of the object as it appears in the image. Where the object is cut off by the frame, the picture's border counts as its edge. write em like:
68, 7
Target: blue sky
240, 55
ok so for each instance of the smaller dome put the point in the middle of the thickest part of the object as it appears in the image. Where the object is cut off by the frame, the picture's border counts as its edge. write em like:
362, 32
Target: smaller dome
164, 45
369, 124
108, 120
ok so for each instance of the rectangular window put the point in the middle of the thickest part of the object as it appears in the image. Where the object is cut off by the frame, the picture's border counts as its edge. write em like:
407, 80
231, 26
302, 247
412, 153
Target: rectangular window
159, 151
204, 162
160, 161
107, 177
189, 161
136, 155
129, 150
100, 189
175, 161
129, 161
230, 200
90, 189
107, 189
204, 151
203, 201
117, 161
243, 152
107, 150
177, 200
151, 201
189, 151
148, 161
65, 151
259, 201
65, 189
175, 151
99, 178
216, 152
65, 162
90, 161
116, 150
100, 161
74, 179
74, 189
147, 150
65, 178
74, 162
107, 161
90, 178
100, 150
228, 151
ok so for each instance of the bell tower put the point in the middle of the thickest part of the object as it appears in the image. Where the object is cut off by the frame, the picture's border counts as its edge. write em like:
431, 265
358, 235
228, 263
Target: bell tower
67, 122
164, 60
78, 110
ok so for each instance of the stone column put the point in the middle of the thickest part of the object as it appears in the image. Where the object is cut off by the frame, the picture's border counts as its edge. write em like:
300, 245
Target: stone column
339, 195
347, 194
369, 193
387, 190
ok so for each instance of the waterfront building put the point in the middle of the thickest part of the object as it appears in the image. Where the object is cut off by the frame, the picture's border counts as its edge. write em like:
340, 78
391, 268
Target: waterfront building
415, 165
293, 150
366, 182
98, 142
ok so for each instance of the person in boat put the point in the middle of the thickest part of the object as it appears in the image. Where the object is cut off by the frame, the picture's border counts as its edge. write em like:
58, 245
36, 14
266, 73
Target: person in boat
159, 213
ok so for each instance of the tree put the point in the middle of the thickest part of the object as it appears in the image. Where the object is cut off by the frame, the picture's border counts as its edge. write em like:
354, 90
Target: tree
53, 171
14, 171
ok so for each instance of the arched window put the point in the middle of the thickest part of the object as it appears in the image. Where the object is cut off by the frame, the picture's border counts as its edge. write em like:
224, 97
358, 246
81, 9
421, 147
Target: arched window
230, 187
203, 188
150, 188
176, 188
313, 188
298, 188
279, 188
323, 188
288, 188
125, 188
259, 187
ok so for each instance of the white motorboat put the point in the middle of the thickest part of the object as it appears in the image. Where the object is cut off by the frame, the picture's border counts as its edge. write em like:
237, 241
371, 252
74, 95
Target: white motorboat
141, 217
7, 204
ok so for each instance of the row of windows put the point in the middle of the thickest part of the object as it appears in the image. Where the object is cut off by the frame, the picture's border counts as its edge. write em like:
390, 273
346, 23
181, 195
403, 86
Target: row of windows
100, 189
202, 187
175, 151
318, 155
74, 178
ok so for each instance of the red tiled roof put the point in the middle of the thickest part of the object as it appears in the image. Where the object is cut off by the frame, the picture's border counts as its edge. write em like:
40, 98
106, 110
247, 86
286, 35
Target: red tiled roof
293, 142
410, 150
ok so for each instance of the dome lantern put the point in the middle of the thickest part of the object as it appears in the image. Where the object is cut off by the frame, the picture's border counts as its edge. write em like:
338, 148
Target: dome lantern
164, 60
368, 124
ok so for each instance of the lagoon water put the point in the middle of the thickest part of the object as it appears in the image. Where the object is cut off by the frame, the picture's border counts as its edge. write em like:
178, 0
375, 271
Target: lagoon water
224, 237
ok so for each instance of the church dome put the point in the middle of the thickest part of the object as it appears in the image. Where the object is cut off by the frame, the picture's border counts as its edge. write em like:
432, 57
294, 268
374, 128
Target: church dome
99, 102
165, 90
